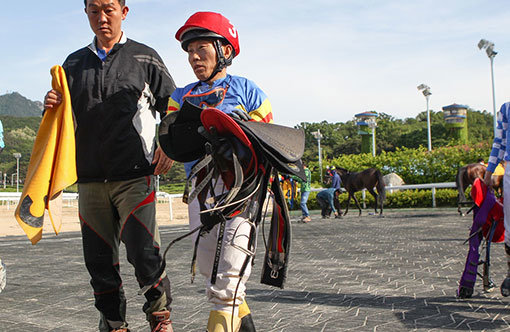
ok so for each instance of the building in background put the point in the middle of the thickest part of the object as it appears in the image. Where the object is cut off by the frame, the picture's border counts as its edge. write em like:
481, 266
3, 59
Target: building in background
366, 123
455, 116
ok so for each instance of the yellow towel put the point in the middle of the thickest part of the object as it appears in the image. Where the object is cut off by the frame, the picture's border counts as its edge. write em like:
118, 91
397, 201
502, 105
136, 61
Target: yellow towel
52, 165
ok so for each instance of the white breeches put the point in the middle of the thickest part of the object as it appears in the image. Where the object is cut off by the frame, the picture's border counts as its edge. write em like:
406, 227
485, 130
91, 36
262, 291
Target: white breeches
237, 232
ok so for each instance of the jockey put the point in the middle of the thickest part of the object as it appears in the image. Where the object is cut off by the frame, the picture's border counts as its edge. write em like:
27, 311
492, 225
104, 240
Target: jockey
211, 42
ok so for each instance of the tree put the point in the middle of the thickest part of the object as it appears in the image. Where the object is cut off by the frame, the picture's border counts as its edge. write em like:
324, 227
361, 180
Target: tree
391, 134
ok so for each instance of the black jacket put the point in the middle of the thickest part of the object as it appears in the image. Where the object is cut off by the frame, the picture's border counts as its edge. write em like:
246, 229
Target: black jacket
115, 104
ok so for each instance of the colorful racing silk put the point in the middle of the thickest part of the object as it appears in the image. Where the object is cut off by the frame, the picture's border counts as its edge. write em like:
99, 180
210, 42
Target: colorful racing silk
500, 147
226, 94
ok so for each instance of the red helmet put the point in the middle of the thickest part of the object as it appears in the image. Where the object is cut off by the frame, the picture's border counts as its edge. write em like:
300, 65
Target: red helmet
208, 25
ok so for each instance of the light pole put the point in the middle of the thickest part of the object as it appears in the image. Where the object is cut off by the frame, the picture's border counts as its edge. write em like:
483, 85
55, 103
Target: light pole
372, 124
426, 92
317, 134
489, 49
17, 156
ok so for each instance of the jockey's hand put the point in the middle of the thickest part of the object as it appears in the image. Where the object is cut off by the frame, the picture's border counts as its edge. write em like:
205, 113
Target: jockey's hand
487, 179
163, 163
52, 99
240, 115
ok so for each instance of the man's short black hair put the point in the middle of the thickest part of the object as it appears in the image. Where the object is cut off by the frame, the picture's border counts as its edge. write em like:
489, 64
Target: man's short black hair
121, 2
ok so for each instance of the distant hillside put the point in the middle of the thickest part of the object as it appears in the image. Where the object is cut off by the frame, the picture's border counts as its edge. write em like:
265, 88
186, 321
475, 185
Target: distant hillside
14, 104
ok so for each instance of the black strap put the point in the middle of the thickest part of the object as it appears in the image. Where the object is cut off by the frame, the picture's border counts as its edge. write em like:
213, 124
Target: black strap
222, 61
217, 255
194, 259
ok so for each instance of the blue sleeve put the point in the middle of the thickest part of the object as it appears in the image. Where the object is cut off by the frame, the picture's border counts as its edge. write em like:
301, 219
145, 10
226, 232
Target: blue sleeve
500, 140
335, 183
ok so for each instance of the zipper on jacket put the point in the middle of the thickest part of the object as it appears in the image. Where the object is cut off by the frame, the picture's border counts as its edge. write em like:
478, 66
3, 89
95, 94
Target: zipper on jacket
103, 92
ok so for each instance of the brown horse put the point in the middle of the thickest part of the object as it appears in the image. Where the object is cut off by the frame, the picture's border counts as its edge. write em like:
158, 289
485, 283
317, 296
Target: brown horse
368, 179
466, 175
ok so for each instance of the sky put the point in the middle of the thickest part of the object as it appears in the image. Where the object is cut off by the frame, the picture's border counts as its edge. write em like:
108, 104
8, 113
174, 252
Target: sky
321, 60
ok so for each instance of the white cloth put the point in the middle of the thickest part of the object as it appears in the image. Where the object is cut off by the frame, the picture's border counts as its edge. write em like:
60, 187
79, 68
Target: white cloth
237, 231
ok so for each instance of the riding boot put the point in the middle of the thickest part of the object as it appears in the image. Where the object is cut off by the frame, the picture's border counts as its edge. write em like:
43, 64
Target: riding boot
247, 324
505, 286
222, 321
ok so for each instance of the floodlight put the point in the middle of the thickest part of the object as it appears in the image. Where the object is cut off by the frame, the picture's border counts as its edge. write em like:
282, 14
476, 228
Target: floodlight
488, 46
489, 49
425, 89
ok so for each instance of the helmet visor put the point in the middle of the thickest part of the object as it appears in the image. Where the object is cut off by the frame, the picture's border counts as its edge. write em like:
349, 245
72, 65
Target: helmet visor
190, 35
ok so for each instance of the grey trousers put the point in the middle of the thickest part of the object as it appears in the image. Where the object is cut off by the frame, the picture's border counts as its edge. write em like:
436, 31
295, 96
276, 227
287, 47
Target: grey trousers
114, 212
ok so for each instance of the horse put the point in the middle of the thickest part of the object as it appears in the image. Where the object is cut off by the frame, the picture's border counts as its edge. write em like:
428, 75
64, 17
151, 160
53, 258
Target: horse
466, 175
369, 179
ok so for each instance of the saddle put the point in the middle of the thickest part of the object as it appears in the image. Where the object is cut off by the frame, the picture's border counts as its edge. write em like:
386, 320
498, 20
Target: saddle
246, 155
179, 126
487, 223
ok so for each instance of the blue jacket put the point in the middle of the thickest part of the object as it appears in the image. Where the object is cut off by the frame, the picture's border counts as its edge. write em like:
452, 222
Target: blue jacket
336, 181
327, 195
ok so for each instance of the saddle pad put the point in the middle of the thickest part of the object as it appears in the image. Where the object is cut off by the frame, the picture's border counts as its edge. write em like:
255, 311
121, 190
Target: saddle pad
294, 168
285, 143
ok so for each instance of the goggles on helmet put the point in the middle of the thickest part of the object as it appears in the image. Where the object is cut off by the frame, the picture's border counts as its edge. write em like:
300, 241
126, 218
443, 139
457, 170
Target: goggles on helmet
211, 98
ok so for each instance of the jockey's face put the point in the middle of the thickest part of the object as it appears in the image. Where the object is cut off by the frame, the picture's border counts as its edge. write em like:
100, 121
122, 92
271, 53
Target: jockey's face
203, 58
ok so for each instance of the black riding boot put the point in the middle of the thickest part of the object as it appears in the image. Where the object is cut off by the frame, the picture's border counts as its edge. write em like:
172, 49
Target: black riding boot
247, 324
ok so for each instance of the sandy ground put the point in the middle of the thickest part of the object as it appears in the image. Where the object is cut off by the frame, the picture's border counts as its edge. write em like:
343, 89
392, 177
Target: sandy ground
70, 222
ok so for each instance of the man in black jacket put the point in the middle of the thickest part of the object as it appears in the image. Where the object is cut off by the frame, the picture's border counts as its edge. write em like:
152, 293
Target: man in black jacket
117, 85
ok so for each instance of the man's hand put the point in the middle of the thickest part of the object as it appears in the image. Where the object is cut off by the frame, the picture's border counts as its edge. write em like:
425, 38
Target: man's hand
488, 179
52, 99
163, 163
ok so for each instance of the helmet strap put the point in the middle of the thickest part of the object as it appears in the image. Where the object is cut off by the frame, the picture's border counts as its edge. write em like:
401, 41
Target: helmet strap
222, 61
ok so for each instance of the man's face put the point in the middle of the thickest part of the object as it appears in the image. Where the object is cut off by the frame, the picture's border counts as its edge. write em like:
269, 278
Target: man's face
105, 18
202, 58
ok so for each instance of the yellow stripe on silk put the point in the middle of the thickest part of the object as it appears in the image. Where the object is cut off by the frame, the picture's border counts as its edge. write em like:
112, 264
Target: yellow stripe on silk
172, 106
264, 113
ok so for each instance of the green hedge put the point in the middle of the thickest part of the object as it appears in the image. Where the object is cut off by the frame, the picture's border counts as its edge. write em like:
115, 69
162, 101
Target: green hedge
414, 166
417, 198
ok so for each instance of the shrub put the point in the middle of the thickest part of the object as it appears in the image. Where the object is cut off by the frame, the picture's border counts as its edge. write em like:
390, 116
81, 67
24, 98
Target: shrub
411, 198
413, 165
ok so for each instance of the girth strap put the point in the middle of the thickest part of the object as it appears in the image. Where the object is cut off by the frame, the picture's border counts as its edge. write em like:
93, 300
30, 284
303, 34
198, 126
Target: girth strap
186, 197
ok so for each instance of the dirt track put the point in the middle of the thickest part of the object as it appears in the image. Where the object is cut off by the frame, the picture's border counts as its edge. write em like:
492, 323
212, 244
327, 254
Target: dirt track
9, 225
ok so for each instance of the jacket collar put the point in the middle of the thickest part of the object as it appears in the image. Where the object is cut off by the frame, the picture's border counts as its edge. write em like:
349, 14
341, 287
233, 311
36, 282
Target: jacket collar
92, 46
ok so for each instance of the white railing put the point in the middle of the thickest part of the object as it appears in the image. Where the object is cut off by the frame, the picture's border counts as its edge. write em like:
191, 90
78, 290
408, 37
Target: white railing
432, 186
71, 199
12, 199
170, 197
